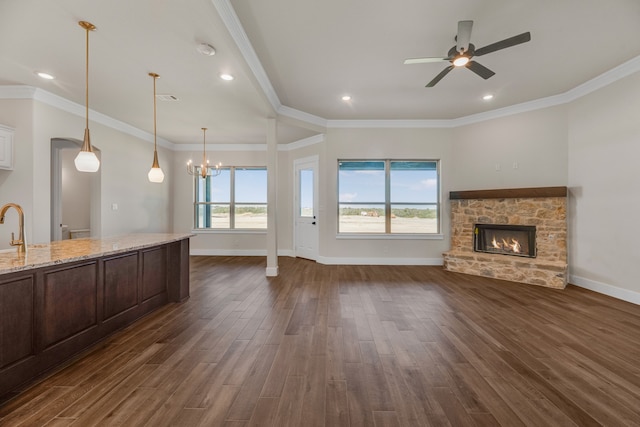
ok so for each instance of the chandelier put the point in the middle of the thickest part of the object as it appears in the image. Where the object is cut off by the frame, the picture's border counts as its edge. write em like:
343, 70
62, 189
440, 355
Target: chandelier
204, 170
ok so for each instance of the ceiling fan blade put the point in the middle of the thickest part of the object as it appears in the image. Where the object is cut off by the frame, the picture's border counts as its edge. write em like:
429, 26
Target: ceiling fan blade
479, 69
423, 60
503, 44
464, 35
439, 77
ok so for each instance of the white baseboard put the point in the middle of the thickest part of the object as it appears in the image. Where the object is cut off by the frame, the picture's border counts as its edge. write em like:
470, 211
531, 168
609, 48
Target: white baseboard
228, 252
236, 252
272, 271
606, 289
602, 288
378, 261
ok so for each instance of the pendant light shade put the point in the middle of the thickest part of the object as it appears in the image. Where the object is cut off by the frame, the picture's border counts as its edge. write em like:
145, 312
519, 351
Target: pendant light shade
155, 173
86, 160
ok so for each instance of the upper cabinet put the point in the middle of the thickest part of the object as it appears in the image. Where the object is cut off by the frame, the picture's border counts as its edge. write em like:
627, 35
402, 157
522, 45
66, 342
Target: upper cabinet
6, 147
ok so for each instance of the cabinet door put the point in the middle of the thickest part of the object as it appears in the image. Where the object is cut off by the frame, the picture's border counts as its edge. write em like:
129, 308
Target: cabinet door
154, 272
16, 319
70, 298
6, 147
120, 284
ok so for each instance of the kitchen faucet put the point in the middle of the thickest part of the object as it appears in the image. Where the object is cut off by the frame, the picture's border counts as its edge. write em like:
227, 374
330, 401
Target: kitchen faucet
20, 243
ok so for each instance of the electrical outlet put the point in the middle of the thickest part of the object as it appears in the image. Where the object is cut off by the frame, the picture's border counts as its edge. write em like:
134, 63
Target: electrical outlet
114, 206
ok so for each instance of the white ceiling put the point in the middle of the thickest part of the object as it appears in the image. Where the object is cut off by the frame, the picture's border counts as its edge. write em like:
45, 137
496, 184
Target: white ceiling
293, 58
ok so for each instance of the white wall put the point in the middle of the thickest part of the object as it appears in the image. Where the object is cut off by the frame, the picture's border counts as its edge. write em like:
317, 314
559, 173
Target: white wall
16, 184
521, 150
125, 161
604, 153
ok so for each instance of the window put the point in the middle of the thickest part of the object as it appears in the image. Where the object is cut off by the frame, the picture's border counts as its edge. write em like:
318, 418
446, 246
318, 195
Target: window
388, 196
235, 199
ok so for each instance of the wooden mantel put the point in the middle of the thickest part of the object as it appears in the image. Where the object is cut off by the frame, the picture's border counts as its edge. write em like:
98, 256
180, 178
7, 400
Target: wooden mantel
509, 193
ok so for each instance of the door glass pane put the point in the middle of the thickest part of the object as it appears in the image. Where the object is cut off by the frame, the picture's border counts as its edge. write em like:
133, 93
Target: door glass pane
306, 193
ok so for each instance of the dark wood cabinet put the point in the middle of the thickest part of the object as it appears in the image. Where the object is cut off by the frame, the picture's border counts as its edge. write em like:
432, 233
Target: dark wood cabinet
154, 273
69, 301
16, 319
119, 286
49, 314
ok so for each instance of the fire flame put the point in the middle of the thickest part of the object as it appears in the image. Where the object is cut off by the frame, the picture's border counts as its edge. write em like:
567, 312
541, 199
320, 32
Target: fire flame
514, 246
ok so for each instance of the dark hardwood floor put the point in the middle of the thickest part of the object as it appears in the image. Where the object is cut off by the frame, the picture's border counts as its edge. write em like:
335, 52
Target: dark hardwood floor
354, 346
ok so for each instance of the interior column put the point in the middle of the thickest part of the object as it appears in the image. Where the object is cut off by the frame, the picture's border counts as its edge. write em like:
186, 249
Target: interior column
272, 199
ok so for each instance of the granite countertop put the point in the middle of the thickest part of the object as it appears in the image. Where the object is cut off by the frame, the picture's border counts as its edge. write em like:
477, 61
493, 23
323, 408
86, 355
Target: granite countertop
65, 251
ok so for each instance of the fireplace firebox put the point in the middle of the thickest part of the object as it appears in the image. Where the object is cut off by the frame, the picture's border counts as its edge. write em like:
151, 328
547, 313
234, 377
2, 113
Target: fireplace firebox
516, 240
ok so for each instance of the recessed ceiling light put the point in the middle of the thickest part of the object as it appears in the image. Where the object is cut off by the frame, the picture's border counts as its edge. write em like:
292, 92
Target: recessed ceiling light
487, 97
45, 76
346, 98
206, 49
227, 77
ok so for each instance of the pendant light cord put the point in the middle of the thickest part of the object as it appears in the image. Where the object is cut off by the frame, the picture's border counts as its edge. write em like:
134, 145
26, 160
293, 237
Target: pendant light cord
156, 164
86, 96
155, 76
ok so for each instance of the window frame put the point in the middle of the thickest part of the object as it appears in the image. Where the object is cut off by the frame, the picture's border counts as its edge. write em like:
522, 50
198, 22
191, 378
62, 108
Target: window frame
232, 204
388, 203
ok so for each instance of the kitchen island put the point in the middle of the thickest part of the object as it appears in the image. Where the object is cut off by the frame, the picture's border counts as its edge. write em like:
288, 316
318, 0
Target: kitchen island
60, 298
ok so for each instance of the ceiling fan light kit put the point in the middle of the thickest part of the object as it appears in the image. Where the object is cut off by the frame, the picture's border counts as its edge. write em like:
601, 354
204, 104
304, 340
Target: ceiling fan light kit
461, 54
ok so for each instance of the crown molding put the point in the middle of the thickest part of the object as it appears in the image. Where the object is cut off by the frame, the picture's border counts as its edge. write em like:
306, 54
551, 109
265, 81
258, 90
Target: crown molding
41, 95
48, 98
626, 69
621, 71
28, 92
221, 147
306, 142
231, 21
302, 116
389, 124
613, 75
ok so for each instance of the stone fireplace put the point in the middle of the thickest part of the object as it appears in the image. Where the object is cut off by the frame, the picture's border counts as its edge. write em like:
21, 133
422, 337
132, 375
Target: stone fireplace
511, 234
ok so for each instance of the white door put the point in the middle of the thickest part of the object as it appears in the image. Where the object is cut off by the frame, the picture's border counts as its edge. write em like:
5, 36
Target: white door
306, 208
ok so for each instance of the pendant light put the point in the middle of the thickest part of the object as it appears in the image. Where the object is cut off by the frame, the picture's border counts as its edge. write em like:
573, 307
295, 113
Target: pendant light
204, 170
155, 174
86, 160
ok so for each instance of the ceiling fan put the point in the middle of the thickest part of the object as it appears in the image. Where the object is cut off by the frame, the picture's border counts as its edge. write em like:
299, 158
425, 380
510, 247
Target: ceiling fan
460, 55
